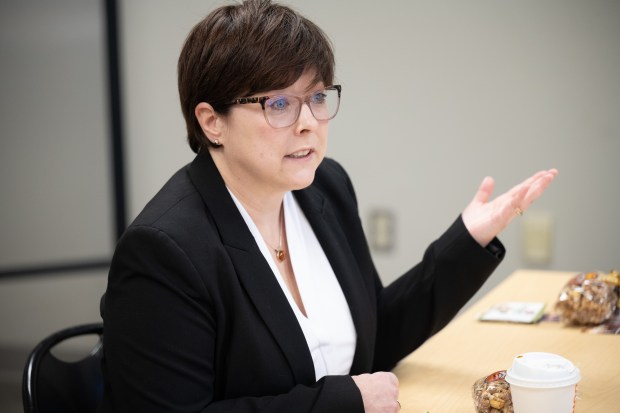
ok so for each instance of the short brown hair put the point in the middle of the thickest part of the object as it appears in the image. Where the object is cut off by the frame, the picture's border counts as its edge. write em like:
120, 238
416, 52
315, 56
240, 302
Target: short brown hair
244, 49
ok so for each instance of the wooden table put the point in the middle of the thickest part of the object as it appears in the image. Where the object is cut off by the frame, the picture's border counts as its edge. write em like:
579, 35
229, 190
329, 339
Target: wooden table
438, 376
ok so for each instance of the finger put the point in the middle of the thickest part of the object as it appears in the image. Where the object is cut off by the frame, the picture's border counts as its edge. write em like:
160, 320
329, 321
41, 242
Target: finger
395, 381
553, 171
524, 194
485, 190
389, 376
518, 196
527, 183
519, 192
538, 175
537, 188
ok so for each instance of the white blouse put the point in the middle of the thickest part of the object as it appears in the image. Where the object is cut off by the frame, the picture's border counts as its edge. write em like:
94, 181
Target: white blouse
328, 327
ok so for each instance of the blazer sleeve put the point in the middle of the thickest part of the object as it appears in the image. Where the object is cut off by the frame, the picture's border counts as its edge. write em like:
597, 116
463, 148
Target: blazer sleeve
160, 346
423, 300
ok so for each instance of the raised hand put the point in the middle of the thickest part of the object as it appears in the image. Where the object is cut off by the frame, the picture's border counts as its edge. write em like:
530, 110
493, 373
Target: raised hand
485, 219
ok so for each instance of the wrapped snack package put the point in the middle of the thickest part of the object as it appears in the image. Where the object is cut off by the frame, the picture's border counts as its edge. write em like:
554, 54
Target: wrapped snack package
588, 298
492, 394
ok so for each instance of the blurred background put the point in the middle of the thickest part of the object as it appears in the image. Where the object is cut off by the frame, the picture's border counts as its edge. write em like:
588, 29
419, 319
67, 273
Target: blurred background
436, 95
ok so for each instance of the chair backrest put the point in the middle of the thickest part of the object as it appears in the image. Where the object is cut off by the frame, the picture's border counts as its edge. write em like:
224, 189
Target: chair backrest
53, 385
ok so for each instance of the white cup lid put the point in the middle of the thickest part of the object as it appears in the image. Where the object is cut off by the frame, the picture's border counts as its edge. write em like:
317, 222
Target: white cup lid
542, 370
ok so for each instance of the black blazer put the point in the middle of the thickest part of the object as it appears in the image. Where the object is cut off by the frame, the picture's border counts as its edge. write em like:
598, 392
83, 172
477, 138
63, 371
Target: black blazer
195, 320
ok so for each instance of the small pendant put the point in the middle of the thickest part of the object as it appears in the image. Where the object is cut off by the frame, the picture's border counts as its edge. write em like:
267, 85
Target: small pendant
279, 255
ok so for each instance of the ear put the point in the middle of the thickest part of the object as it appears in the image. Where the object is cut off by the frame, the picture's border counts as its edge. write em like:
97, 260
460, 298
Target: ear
209, 120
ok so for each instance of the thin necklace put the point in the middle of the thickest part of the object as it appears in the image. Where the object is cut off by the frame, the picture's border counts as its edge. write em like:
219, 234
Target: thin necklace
280, 253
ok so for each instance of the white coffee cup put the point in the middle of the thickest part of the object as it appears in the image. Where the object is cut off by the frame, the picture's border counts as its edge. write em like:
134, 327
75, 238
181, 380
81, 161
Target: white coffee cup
542, 383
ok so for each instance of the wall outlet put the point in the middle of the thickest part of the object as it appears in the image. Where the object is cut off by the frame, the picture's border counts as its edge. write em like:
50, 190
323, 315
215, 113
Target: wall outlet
382, 230
537, 237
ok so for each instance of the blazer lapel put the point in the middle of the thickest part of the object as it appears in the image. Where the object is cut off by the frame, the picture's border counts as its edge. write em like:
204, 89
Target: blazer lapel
331, 236
252, 269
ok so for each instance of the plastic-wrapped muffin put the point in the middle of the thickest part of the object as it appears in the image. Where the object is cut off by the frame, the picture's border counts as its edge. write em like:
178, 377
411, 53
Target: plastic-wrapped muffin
588, 298
492, 394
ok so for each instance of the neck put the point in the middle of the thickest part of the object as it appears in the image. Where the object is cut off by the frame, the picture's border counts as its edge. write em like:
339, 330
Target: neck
262, 202
264, 211
273, 231
267, 214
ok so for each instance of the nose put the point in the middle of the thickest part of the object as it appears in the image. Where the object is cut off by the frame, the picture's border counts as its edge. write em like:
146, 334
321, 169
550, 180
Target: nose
306, 120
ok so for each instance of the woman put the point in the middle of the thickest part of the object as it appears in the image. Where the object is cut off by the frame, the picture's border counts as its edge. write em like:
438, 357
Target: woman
246, 284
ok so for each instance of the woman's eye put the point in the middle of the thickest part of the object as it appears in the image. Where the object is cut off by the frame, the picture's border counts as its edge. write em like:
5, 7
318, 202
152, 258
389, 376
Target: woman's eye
318, 97
279, 103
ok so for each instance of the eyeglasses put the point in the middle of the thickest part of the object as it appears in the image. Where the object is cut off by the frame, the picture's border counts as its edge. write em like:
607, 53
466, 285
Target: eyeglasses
282, 111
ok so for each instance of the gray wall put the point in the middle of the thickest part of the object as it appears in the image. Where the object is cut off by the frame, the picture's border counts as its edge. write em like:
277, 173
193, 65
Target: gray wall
437, 94
55, 181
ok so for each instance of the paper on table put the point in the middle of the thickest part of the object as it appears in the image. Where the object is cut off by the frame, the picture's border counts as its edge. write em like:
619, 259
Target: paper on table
514, 312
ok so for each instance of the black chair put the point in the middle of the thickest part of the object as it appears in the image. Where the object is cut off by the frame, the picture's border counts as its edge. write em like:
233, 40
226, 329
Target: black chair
51, 385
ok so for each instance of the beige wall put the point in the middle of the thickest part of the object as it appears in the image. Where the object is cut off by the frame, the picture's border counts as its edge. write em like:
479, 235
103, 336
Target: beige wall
437, 94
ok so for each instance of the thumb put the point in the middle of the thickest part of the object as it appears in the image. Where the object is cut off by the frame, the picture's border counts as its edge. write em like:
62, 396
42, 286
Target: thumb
485, 190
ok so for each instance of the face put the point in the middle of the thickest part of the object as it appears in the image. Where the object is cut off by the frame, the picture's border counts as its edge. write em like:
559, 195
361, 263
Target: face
256, 159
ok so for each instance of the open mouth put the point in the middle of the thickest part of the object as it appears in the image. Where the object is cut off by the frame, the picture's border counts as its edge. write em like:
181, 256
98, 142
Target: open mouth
300, 154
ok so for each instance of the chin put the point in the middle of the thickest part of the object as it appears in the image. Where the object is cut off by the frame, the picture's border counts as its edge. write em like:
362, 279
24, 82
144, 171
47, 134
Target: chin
302, 182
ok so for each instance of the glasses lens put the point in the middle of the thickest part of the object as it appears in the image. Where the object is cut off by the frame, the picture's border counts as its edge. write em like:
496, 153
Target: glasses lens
325, 103
281, 111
